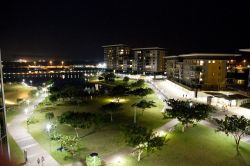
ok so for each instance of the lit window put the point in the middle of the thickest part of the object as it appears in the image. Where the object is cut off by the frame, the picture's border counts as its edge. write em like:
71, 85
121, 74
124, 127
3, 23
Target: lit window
201, 63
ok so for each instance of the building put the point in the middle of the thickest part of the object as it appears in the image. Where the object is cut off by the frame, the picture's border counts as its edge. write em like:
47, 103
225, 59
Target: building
118, 57
122, 58
4, 146
199, 70
148, 60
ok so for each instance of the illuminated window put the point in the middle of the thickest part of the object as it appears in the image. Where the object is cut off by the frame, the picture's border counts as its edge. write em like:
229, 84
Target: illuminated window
201, 63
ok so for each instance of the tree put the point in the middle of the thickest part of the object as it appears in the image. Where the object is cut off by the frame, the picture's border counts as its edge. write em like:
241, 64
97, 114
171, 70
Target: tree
111, 108
53, 98
77, 120
49, 115
118, 92
187, 112
100, 78
109, 77
126, 80
143, 139
70, 144
143, 105
138, 84
236, 126
142, 92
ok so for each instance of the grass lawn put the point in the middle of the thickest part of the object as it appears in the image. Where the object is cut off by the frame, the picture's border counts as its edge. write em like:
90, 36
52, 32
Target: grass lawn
108, 138
197, 146
15, 152
15, 91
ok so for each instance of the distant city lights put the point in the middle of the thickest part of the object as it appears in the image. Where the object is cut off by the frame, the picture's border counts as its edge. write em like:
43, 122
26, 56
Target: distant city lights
102, 65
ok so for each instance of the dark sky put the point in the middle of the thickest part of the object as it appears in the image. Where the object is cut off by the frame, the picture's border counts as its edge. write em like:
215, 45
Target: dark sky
77, 29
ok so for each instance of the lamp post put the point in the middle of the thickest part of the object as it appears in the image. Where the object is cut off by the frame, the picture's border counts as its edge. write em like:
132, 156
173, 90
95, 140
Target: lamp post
190, 104
26, 111
48, 128
94, 155
28, 101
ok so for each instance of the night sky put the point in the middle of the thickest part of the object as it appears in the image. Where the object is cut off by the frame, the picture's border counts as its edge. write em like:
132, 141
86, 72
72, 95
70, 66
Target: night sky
77, 29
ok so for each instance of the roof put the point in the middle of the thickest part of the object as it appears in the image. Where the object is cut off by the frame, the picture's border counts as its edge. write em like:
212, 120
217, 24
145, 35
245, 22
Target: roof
115, 45
208, 55
171, 57
245, 50
149, 48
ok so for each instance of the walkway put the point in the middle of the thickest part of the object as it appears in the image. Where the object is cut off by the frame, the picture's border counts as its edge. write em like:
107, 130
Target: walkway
163, 90
25, 141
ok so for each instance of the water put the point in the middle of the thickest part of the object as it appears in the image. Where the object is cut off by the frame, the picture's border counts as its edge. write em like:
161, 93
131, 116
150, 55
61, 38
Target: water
39, 77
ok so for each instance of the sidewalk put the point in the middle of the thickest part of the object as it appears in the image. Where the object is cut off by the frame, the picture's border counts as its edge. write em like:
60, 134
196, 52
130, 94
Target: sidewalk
26, 142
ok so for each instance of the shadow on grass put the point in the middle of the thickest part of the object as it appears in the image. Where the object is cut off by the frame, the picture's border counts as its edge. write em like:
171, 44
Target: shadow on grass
21, 163
240, 159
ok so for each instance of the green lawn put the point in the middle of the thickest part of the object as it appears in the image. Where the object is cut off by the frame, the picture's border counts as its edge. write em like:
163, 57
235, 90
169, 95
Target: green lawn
108, 138
197, 146
15, 152
15, 91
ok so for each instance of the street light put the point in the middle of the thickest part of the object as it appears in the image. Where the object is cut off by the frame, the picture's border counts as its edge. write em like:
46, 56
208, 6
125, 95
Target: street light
190, 104
48, 128
26, 111
94, 155
118, 160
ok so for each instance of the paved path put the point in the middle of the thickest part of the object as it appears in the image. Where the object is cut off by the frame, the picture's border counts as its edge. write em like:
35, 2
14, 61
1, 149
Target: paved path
25, 141
168, 92
125, 151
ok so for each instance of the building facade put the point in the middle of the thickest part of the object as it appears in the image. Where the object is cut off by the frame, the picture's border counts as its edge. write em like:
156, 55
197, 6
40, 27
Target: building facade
206, 71
122, 58
148, 60
118, 57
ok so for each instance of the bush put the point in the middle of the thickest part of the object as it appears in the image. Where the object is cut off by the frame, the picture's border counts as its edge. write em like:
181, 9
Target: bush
49, 115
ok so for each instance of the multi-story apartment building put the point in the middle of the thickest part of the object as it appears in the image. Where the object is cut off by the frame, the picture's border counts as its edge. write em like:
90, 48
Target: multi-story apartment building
207, 71
121, 58
148, 60
118, 57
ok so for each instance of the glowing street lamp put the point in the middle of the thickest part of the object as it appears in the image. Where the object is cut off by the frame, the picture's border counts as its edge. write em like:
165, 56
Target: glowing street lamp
94, 155
48, 128
118, 160
26, 111
50, 62
191, 104
62, 63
